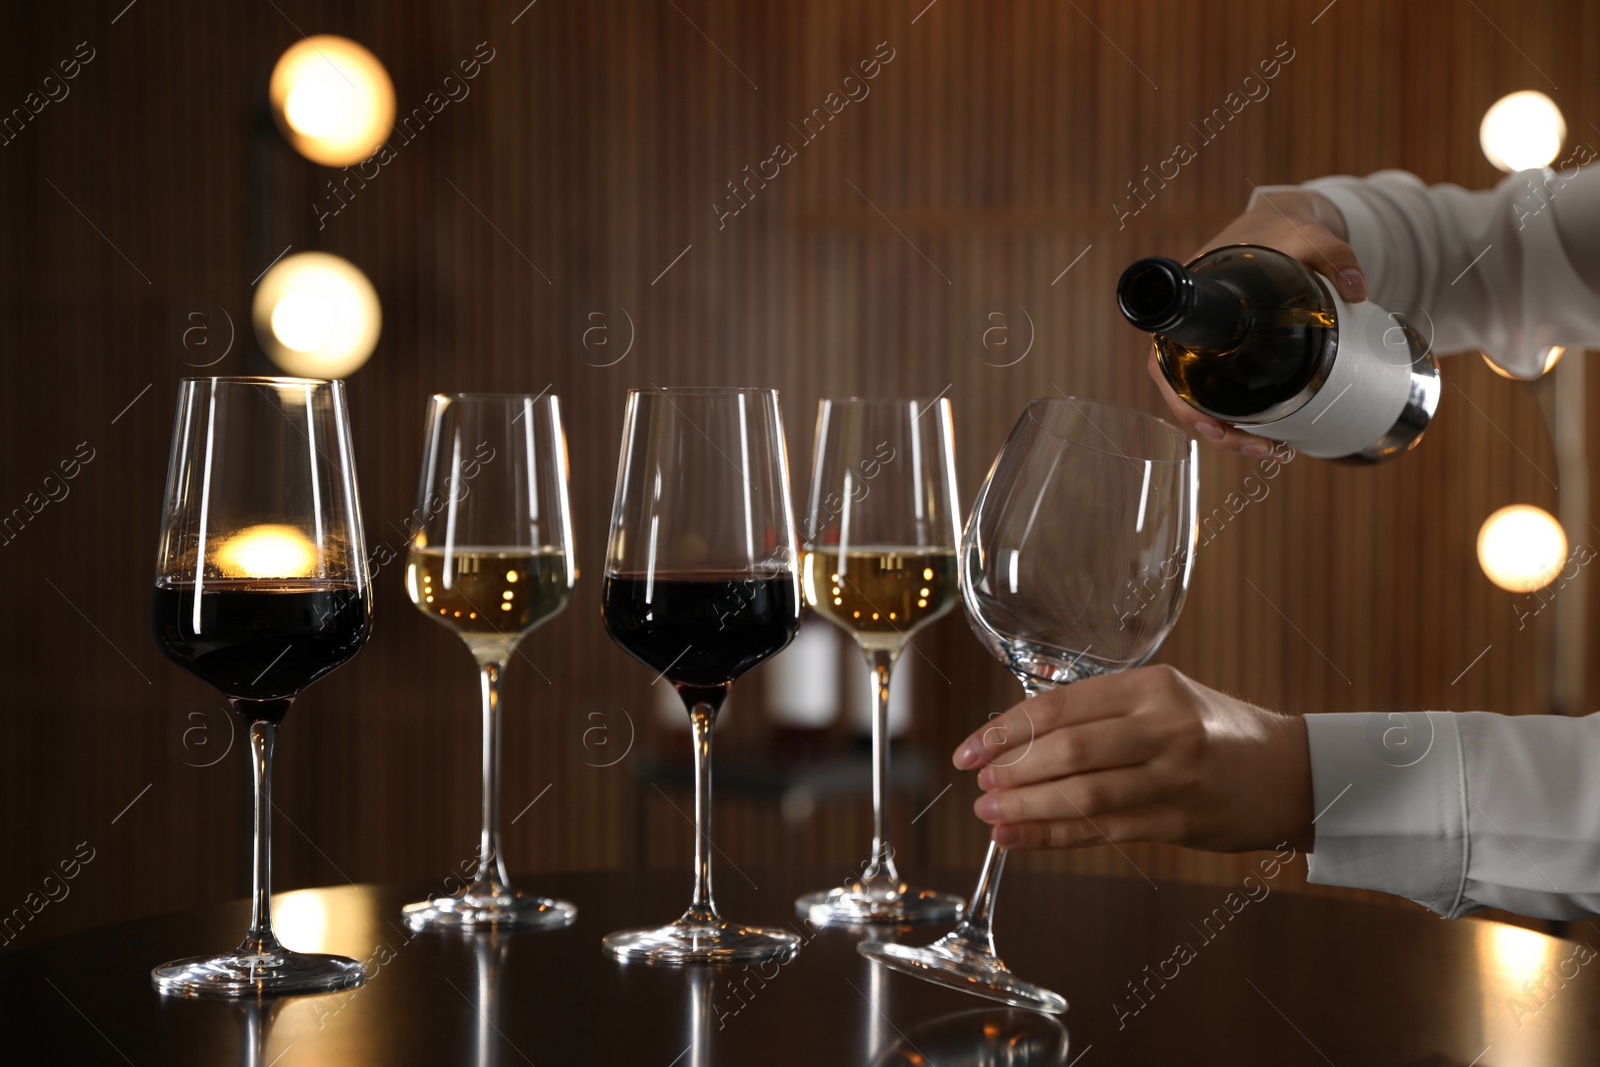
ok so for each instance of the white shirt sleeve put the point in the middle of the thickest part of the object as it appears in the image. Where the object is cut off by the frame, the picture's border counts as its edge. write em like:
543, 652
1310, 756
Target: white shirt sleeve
1510, 271
1460, 811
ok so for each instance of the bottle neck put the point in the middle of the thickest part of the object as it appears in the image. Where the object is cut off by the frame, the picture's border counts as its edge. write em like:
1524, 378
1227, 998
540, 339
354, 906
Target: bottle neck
1162, 296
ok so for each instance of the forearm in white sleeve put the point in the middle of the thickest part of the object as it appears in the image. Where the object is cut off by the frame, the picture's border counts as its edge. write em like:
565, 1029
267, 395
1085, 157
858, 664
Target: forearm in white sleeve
1460, 811
1507, 270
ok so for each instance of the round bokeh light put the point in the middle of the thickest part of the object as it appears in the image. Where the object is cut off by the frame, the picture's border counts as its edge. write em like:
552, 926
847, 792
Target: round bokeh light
1522, 131
317, 315
1521, 548
332, 99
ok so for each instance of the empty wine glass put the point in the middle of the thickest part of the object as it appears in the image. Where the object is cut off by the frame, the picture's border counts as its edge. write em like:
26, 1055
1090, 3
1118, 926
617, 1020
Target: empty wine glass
491, 560
880, 539
1075, 562
700, 587
261, 589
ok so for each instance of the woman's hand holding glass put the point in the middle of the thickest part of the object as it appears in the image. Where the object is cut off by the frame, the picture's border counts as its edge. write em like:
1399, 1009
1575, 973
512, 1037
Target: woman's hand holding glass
1148, 755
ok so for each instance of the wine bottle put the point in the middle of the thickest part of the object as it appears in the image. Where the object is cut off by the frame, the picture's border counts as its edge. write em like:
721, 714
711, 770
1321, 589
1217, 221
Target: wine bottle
1252, 336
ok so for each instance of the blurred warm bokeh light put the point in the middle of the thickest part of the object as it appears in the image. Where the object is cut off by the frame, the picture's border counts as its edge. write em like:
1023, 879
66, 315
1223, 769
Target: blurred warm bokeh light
1521, 548
1522, 131
269, 550
1552, 356
333, 100
317, 315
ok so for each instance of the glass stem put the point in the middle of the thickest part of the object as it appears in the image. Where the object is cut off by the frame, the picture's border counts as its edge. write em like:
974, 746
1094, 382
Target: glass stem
979, 922
491, 876
261, 941
880, 661
703, 716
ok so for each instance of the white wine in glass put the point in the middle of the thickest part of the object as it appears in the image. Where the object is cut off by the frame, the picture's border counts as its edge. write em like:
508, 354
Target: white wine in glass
520, 588
880, 595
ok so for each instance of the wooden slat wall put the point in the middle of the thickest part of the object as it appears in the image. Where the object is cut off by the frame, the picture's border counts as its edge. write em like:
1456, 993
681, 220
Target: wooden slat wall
986, 158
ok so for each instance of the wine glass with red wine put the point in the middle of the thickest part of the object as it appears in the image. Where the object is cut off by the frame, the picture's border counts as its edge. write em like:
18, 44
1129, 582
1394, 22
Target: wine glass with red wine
1074, 563
491, 560
261, 589
700, 586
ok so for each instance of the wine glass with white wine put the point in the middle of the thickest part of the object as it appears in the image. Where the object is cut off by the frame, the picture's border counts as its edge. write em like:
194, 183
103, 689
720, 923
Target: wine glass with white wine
880, 534
1075, 562
491, 559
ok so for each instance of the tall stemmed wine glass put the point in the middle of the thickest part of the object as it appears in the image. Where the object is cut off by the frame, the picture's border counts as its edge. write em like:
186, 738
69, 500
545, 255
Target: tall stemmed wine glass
701, 586
261, 589
491, 559
1075, 562
880, 532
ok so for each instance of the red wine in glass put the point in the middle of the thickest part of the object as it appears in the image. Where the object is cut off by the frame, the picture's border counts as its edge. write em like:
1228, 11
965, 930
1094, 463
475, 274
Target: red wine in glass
701, 631
258, 641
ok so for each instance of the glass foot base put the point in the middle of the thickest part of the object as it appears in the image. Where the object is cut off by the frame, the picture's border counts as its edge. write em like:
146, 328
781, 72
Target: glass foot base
499, 906
955, 962
878, 900
269, 974
717, 941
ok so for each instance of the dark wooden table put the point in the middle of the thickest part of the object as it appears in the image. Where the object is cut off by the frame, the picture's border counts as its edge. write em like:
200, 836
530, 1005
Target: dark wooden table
1278, 980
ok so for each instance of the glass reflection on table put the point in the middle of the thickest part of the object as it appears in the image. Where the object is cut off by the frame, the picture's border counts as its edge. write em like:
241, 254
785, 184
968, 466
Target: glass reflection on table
257, 1014
986, 1037
877, 1035
489, 949
699, 1050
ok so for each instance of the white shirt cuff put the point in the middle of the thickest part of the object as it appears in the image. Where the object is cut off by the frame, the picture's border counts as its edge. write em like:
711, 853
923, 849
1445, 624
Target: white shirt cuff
1391, 806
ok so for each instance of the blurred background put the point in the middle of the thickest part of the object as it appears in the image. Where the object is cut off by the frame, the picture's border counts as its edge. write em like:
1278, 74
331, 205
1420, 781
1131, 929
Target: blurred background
566, 203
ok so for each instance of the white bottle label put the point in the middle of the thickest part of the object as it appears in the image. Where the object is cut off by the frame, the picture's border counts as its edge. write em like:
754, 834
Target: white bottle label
1364, 394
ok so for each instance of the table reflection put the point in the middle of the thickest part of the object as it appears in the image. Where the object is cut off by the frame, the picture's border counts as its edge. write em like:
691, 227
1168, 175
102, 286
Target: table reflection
489, 949
700, 981
1392, 987
256, 1017
1522, 972
877, 1035
985, 1037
